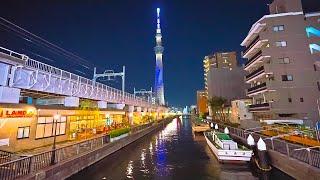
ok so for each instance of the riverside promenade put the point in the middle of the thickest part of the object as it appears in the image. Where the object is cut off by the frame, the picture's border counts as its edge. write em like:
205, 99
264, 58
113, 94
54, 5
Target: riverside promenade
73, 158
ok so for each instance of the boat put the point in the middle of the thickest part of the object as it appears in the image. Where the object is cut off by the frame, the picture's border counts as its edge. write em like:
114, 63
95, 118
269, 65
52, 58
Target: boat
225, 149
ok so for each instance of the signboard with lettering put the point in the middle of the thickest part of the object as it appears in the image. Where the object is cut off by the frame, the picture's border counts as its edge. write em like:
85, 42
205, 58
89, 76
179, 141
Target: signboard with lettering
14, 113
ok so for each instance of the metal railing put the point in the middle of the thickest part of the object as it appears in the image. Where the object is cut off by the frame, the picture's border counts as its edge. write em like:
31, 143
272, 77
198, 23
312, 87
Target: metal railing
254, 41
263, 105
117, 95
295, 151
253, 59
259, 87
255, 73
24, 166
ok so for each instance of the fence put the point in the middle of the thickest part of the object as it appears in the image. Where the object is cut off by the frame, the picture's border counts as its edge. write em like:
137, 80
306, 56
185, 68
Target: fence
295, 151
24, 166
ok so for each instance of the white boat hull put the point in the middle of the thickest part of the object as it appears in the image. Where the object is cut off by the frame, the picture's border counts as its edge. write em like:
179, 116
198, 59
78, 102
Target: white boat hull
229, 155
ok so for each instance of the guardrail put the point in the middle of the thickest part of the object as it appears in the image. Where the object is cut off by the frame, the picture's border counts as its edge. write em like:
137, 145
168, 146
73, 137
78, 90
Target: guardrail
24, 166
295, 151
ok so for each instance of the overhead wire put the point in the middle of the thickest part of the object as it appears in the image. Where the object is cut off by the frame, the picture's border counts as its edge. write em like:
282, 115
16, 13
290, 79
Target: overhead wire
30, 37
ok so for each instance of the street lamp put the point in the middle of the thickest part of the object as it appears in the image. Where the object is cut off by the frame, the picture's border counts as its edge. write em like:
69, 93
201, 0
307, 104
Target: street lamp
56, 117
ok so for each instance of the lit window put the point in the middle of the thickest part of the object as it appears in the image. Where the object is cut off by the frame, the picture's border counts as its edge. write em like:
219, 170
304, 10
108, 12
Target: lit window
46, 127
278, 28
281, 43
23, 132
287, 78
285, 60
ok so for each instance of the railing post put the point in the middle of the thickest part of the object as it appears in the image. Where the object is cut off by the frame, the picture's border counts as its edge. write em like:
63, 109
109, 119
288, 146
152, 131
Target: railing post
31, 164
272, 145
309, 156
78, 148
287, 147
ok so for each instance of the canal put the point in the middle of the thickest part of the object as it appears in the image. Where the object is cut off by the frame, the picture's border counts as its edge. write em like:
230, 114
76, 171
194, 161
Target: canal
171, 153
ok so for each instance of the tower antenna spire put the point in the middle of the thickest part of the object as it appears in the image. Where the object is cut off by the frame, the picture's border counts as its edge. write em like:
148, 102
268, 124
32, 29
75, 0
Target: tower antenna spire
159, 85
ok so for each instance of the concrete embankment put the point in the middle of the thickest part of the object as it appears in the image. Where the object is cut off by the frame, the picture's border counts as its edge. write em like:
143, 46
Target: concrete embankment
72, 166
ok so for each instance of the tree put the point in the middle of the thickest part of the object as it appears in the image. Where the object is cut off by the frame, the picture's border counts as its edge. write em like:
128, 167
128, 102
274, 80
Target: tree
216, 105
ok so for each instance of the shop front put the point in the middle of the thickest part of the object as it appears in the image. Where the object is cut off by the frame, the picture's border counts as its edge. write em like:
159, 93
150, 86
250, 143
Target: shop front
25, 127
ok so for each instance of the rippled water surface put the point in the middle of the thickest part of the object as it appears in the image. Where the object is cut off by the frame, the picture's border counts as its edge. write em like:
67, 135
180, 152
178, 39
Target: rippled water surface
172, 153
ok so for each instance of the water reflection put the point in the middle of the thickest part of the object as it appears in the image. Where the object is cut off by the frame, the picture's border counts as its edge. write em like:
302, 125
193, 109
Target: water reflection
172, 153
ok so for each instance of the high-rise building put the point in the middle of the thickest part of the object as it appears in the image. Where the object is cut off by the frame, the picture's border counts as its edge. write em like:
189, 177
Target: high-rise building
283, 77
223, 77
202, 102
219, 60
159, 87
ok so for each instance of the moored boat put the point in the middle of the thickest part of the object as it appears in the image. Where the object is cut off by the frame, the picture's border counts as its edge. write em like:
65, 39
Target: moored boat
225, 149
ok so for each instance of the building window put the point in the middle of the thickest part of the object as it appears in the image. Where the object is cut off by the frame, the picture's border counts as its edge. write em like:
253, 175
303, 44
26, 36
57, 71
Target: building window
278, 28
290, 100
287, 78
315, 67
23, 132
281, 43
318, 83
301, 100
46, 127
285, 60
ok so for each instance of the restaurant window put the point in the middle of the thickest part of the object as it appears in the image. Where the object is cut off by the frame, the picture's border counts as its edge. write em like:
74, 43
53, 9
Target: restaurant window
46, 127
23, 132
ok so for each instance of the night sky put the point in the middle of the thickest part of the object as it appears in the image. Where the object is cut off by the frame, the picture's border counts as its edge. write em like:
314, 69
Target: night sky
112, 33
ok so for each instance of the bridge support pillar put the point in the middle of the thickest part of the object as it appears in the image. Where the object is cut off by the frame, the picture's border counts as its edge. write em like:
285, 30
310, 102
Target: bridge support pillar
71, 101
130, 114
102, 104
9, 95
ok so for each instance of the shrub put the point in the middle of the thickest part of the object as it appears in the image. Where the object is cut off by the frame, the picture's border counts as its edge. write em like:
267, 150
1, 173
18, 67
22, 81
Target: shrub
118, 132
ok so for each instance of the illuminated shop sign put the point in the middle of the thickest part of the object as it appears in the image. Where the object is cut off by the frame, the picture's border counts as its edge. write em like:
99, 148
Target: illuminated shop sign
14, 113
312, 31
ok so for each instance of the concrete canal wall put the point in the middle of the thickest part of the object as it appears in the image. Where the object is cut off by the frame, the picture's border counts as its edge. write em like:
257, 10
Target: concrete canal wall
72, 166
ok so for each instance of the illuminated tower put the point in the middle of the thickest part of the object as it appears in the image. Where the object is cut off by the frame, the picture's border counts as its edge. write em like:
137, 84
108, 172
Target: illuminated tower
159, 88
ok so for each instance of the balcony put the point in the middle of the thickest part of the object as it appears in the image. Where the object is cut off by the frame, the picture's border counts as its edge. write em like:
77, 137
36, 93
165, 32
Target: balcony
259, 107
255, 74
257, 89
252, 62
256, 29
255, 45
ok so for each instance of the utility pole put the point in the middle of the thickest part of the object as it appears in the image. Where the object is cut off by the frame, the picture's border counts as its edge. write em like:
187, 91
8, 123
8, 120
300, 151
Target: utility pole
143, 92
111, 74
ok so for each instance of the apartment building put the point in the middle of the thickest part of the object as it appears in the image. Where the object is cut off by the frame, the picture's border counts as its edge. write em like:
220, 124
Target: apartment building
281, 70
220, 60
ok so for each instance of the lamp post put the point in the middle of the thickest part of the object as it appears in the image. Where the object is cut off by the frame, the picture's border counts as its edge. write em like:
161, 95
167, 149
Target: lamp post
53, 156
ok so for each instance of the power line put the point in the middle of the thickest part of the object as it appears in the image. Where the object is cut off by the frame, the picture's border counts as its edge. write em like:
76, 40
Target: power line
30, 37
